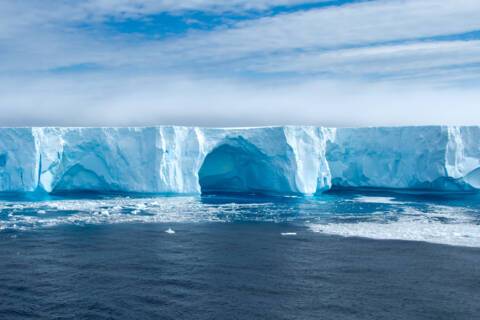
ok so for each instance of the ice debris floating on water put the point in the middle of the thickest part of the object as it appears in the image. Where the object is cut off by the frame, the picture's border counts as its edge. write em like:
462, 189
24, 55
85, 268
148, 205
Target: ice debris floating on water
291, 160
370, 199
457, 223
28, 215
437, 224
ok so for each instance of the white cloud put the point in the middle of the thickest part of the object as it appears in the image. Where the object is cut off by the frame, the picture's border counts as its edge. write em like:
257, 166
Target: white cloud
96, 100
146, 7
333, 27
343, 42
392, 61
25, 14
40, 38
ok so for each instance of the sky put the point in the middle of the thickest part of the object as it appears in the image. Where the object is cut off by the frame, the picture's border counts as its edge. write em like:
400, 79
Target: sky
239, 63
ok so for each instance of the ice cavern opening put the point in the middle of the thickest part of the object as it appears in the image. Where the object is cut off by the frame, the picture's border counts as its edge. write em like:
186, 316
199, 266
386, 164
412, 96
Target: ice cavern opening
79, 179
240, 167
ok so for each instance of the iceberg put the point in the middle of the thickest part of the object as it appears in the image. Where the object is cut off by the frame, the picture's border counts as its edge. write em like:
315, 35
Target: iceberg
19, 165
288, 160
436, 158
188, 160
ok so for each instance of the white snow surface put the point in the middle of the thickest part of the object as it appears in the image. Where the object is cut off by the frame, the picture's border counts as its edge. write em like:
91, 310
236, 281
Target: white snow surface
296, 160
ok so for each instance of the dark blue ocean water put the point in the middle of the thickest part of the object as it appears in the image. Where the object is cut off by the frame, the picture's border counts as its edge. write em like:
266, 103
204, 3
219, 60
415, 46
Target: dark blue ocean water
339, 256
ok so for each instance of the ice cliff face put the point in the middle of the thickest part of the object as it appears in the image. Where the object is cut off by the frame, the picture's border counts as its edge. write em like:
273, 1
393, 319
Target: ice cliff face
19, 166
437, 158
280, 160
272, 160
100, 159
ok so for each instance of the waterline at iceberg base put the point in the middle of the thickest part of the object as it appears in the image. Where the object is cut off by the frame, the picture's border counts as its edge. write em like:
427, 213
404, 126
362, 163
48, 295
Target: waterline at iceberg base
289, 160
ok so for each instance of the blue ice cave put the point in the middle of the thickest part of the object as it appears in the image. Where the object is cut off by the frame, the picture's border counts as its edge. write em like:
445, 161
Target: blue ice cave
238, 166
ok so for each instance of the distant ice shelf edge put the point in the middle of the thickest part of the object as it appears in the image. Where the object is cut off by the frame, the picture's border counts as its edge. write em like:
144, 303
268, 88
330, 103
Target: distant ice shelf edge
289, 160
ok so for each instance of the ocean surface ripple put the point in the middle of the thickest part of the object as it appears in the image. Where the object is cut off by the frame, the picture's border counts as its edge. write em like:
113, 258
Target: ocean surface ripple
226, 257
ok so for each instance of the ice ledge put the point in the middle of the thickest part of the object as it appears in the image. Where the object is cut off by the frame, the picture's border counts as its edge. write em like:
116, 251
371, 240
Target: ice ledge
300, 160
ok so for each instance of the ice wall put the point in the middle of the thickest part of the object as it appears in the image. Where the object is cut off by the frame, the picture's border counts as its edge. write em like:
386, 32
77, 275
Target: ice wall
19, 162
462, 159
278, 160
274, 160
439, 158
98, 159
282, 160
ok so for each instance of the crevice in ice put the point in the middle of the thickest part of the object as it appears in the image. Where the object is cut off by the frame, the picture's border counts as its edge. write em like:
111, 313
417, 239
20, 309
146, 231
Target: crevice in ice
238, 166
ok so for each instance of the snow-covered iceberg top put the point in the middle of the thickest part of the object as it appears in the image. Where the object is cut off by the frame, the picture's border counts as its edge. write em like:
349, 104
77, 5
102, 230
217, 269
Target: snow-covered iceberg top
272, 160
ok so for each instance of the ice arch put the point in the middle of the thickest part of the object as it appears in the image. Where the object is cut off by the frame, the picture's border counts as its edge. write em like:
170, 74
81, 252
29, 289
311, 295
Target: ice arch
238, 166
78, 179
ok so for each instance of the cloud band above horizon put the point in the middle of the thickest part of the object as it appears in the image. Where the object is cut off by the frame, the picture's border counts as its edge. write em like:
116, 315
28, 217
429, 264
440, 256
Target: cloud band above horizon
222, 63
